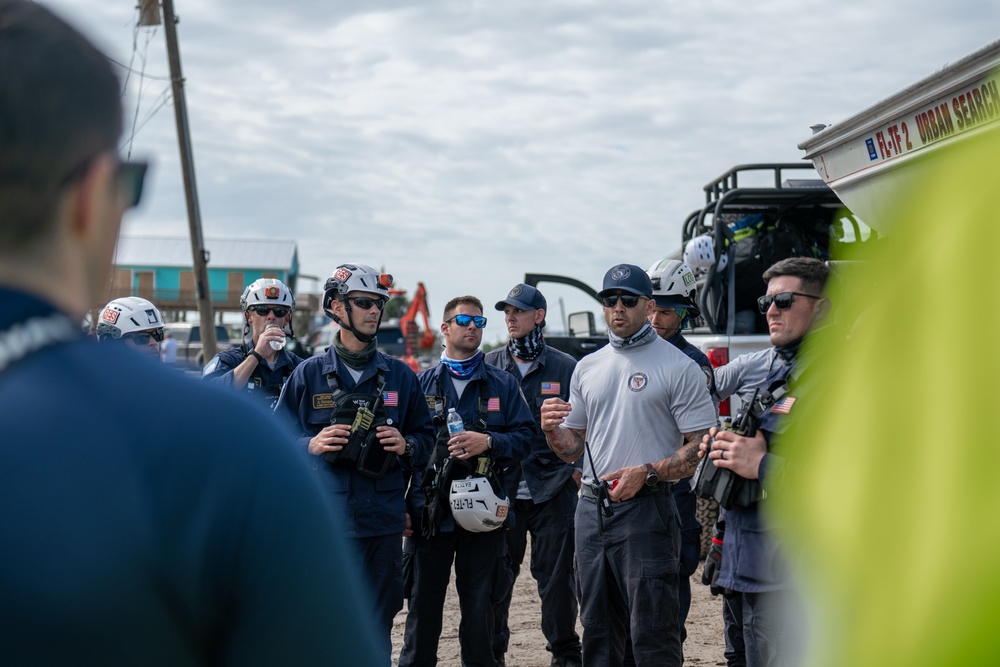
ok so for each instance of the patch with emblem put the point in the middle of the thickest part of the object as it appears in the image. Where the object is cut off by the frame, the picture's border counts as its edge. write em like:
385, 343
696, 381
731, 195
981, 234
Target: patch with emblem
342, 274
322, 401
621, 272
493, 405
390, 398
784, 406
110, 315
502, 511
638, 381
551, 388
516, 291
709, 376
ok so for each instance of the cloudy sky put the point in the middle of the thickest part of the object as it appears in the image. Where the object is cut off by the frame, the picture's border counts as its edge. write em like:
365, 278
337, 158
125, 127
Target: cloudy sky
464, 143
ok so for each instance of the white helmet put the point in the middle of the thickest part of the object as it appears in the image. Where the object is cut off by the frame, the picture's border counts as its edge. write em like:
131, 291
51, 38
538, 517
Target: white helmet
348, 278
477, 506
269, 291
699, 254
673, 285
129, 314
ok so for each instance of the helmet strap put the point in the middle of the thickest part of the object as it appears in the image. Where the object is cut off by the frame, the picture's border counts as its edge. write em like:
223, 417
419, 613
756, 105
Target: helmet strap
349, 325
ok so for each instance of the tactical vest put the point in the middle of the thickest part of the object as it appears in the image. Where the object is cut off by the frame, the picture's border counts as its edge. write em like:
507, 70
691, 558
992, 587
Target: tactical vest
364, 412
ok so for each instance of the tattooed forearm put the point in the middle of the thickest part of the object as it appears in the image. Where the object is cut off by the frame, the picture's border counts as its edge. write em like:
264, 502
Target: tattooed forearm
567, 443
684, 461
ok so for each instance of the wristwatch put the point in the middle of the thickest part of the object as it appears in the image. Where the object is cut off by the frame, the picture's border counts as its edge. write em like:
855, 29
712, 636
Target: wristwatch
489, 442
410, 448
651, 477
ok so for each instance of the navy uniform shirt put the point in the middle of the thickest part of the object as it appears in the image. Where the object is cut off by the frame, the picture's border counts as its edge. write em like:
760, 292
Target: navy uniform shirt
543, 471
508, 420
373, 506
149, 519
265, 383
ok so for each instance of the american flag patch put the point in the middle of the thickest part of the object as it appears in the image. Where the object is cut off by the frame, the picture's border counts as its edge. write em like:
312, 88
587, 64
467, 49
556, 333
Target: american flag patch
550, 388
390, 398
784, 406
493, 405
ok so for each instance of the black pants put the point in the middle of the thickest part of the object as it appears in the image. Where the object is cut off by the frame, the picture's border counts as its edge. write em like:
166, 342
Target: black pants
482, 578
383, 561
551, 527
627, 576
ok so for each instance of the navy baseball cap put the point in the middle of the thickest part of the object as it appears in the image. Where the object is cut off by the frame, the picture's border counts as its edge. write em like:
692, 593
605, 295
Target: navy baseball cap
627, 278
524, 297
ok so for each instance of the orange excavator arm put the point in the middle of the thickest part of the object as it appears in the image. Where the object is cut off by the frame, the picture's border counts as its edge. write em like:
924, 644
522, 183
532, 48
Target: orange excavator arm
408, 324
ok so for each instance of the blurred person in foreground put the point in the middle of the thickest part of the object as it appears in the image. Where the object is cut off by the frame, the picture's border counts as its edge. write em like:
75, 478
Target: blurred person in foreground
146, 519
895, 559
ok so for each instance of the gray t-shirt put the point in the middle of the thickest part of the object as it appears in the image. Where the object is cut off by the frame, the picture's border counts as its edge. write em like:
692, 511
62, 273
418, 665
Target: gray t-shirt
744, 374
635, 404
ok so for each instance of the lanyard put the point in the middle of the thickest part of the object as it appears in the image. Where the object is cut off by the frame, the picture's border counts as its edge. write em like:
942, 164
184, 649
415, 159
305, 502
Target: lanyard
25, 338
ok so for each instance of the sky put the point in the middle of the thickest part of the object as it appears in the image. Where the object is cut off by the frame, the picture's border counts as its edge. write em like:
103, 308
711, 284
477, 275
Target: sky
463, 144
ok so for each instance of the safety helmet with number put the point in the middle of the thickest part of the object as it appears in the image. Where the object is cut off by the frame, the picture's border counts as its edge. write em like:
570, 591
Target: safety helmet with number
673, 285
349, 278
268, 291
477, 505
699, 254
129, 314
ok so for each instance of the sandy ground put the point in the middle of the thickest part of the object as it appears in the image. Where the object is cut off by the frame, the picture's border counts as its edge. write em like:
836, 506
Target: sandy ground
704, 645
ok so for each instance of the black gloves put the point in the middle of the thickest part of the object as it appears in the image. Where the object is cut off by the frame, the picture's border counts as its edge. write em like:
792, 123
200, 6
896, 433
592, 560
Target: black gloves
713, 560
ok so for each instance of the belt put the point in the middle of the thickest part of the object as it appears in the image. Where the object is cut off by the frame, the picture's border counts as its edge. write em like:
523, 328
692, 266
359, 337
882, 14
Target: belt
590, 490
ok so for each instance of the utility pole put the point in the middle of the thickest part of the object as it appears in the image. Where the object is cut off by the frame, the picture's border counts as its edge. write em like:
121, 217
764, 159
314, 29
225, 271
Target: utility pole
199, 254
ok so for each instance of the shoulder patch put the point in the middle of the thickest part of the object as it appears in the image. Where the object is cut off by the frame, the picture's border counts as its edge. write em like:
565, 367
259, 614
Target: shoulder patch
210, 366
709, 375
784, 406
322, 401
493, 404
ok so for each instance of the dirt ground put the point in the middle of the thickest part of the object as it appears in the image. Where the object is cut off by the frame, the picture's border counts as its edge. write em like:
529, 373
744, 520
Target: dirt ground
704, 645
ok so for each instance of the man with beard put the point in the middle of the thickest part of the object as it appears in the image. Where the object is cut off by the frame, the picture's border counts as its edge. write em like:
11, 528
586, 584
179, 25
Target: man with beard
362, 415
261, 365
497, 436
753, 566
134, 322
543, 491
636, 414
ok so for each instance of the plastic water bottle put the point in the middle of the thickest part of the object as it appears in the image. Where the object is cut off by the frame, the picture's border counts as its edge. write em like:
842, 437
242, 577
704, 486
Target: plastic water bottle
455, 423
276, 344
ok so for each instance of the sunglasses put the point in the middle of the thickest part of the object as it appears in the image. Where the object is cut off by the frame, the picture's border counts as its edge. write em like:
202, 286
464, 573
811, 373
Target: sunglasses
781, 300
131, 176
279, 311
628, 300
366, 302
466, 320
142, 337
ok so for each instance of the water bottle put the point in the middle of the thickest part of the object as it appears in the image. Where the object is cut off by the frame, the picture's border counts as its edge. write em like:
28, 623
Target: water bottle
276, 344
455, 423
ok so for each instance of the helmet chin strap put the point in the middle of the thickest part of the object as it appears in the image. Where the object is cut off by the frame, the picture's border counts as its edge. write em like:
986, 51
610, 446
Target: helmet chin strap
350, 324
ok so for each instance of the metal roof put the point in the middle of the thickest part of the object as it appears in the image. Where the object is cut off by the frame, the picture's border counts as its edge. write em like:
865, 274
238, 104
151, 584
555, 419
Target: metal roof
223, 253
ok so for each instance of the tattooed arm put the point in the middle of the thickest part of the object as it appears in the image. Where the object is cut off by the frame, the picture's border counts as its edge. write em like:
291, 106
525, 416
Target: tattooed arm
567, 443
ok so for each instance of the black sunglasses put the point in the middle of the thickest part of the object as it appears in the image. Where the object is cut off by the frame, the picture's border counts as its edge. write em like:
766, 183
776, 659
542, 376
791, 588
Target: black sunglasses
781, 300
466, 320
366, 302
132, 175
142, 337
279, 311
628, 300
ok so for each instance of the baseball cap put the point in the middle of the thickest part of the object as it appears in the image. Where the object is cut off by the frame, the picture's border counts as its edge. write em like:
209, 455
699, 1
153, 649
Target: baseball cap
524, 297
627, 278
